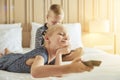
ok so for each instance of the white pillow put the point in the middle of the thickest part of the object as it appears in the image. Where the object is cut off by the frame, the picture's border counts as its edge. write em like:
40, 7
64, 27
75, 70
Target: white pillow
74, 31
35, 26
11, 37
9, 26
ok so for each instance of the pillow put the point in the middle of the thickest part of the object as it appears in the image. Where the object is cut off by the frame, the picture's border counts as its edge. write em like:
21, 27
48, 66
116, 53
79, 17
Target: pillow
35, 26
11, 37
9, 26
74, 31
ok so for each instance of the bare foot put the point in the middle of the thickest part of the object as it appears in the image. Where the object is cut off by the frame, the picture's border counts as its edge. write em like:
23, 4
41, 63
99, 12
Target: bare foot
1, 55
7, 51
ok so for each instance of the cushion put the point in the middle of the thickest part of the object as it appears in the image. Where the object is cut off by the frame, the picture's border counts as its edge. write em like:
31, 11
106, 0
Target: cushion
9, 26
11, 37
74, 30
35, 26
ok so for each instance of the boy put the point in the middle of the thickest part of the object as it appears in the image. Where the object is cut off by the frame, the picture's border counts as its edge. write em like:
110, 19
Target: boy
55, 15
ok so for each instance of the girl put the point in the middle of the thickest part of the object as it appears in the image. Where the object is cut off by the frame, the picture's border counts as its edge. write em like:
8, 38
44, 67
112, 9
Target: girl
37, 61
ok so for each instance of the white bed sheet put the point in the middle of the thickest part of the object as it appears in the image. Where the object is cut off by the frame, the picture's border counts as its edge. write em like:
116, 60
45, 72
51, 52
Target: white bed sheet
109, 69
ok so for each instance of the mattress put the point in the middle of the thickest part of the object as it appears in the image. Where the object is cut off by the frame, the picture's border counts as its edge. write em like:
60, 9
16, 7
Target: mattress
108, 70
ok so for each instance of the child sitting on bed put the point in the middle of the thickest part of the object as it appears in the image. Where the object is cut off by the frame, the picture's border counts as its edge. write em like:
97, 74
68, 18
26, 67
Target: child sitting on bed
37, 62
55, 16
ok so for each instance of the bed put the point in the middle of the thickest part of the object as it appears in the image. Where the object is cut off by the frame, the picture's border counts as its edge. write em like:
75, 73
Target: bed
108, 70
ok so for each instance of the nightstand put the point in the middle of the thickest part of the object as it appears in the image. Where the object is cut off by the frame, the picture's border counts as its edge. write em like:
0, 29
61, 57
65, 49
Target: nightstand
107, 48
103, 41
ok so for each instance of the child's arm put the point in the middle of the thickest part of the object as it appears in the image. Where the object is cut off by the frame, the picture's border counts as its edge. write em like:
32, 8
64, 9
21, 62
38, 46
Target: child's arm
59, 53
73, 54
38, 69
58, 59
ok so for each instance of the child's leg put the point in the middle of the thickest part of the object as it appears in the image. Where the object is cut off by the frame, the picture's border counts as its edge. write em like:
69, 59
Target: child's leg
1, 55
7, 51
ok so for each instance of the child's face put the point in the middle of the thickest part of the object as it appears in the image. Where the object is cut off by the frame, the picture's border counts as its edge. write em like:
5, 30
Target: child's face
59, 38
53, 19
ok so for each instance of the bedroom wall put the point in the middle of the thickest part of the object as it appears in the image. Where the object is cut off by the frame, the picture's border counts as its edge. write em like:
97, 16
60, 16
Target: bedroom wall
82, 11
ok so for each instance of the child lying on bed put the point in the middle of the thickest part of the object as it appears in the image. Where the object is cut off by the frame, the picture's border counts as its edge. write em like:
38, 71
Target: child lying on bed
37, 62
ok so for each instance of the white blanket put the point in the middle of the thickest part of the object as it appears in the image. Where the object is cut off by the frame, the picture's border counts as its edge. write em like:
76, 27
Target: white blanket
108, 70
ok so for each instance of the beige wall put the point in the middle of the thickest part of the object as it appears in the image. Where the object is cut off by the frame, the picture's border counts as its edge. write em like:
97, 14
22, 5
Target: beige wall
82, 11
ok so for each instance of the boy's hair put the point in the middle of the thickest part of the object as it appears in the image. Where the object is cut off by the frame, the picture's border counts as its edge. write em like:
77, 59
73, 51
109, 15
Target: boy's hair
53, 28
56, 8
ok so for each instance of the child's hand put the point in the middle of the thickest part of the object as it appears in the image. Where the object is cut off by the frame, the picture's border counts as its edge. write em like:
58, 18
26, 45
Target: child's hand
64, 50
73, 54
78, 66
59, 53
